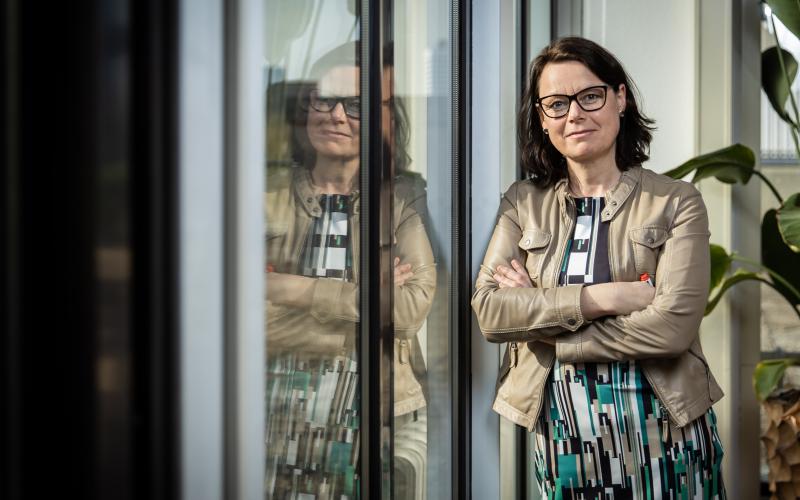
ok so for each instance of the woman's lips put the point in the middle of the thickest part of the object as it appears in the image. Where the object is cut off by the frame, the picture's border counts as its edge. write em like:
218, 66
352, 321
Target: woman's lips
580, 133
334, 133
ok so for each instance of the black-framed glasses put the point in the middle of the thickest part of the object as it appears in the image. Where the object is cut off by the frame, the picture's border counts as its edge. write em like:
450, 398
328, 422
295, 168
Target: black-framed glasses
326, 104
589, 99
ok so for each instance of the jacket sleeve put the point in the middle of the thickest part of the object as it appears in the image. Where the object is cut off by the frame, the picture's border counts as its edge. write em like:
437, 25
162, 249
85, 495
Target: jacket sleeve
413, 300
667, 327
519, 314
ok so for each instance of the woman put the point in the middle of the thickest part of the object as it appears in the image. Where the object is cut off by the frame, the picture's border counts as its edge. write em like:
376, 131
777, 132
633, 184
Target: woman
596, 276
312, 311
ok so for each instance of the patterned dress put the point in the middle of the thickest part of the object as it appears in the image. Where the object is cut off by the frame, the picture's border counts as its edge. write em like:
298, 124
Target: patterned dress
603, 433
312, 401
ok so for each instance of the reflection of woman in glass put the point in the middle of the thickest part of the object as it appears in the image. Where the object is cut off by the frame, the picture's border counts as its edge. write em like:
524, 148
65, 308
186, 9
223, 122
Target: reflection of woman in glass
597, 275
312, 310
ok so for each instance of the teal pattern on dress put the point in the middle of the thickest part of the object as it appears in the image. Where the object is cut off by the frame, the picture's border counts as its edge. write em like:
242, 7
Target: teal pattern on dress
602, 432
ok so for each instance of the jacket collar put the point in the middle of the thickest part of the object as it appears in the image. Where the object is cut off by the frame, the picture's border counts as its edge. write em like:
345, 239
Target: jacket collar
615, 198
304, 190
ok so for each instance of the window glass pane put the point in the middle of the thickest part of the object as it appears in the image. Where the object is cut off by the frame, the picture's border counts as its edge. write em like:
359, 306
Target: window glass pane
780, 329
422, 137
312, 204
312, 79
777, 144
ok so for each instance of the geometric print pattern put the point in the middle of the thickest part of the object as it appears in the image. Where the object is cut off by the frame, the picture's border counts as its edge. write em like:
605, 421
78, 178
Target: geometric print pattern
586, 258
327, 252
602, 432
312, 432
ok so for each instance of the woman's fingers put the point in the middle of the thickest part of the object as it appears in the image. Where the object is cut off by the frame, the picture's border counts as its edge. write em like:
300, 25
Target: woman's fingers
504, 282
507, 277
522, 275
402, 272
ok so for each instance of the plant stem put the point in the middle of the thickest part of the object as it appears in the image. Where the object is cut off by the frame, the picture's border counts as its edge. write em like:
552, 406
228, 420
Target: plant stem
788, 83
794, 308
770, 185
772, 273
767, 282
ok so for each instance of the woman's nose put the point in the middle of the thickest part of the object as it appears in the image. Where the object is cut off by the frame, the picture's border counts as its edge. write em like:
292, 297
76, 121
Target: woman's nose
337, 113
575, 111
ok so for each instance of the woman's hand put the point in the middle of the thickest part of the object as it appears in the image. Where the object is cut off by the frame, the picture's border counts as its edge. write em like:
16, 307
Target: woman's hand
515, 276
634, 296
615, 299
402, 272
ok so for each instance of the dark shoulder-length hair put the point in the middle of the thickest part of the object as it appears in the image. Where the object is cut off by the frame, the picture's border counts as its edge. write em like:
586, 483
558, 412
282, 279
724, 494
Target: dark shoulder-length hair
348, 54
539, 158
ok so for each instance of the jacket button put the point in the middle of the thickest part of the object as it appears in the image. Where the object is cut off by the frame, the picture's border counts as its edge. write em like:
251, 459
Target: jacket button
309, 199
527, 242
614, 203
650, 240
571, 322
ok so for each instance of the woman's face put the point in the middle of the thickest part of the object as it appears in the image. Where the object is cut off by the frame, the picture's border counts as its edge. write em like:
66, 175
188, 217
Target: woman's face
334, 134
581, 136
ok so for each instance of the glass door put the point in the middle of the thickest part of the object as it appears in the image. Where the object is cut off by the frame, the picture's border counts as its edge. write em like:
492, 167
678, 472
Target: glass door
360, 304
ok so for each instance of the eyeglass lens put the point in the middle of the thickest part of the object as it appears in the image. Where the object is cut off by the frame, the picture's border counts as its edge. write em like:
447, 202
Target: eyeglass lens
325, 104
590, 99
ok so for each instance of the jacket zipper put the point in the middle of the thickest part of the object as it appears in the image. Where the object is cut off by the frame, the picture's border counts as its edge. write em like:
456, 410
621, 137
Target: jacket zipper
667, 413
514, 354
611, 266
541, 391
664, 422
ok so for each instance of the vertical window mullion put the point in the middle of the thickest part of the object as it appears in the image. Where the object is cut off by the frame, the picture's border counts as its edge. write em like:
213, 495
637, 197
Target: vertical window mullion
376, 328
461, 286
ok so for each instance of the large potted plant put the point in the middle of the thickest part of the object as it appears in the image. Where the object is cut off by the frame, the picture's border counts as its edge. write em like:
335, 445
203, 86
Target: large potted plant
779, 267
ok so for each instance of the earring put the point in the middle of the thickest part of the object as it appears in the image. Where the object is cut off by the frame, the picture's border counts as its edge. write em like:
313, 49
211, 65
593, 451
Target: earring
546, 132
621, 114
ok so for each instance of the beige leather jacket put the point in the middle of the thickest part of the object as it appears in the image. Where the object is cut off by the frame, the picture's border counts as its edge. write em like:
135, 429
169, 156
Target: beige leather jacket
657, 225
329, 326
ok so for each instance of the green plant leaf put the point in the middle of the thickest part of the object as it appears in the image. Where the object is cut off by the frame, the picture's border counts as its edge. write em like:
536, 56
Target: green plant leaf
731, 164
789, 222
739, 276
768, 375
788, 12
779, 257
720, 263
774, 82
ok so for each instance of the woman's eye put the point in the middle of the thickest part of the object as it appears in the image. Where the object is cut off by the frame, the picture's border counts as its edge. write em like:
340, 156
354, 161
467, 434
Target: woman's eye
557, 105
590, 98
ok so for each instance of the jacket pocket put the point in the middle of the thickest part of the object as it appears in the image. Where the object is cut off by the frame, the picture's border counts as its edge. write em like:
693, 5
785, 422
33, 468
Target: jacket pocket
534, 242
647, 244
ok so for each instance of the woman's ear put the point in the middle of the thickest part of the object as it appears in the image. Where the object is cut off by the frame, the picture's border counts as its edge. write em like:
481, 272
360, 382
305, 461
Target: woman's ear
621, 94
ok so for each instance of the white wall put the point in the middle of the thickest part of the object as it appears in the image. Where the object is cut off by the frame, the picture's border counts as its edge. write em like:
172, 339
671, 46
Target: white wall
656, 41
